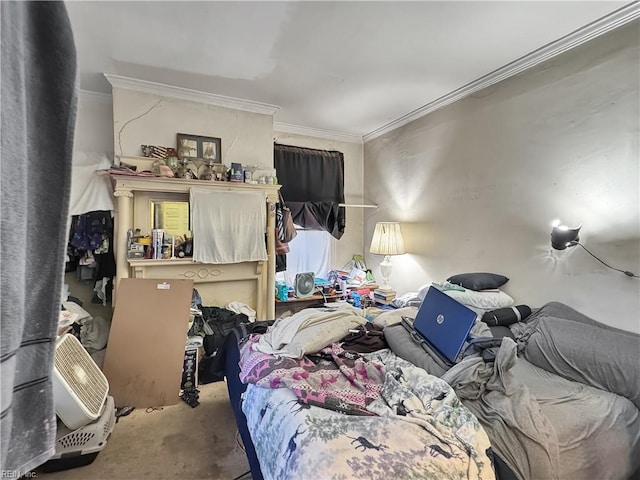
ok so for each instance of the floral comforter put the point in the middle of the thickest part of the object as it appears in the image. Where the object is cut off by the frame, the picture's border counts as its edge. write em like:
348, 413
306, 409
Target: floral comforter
404, 423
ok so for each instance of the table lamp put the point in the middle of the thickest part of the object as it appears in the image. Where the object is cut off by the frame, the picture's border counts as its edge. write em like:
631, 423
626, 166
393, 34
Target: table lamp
387, 240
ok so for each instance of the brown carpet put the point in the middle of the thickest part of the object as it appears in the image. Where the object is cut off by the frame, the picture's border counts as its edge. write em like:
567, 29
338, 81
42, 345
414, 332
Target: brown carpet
177, 442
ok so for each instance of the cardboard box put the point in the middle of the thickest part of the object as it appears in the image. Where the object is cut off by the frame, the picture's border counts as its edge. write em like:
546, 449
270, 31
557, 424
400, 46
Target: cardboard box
145, 352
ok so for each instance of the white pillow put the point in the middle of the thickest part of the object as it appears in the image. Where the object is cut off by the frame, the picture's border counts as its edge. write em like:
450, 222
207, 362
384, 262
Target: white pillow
321, 328
314, 338
484, 300
390, 317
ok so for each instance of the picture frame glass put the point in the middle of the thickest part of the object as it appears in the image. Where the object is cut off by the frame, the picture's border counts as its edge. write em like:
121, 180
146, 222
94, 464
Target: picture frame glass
198, 147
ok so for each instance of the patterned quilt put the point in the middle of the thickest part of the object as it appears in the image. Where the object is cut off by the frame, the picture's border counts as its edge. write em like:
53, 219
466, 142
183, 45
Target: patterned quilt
410, 426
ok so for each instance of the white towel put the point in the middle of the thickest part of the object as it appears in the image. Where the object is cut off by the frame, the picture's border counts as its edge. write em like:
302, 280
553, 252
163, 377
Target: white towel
239, 307
228, 226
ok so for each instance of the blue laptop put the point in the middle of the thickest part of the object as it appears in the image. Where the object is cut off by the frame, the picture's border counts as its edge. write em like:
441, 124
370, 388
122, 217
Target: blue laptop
443, 323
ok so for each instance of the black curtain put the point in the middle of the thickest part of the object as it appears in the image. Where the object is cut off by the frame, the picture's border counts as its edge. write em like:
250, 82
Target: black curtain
312, 186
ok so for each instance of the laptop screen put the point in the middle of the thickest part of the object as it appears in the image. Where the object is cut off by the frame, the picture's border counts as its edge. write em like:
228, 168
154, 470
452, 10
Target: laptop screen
444, 322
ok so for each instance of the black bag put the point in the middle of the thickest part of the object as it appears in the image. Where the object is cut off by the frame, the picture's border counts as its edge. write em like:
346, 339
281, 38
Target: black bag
506, 316
212, 369
221, 321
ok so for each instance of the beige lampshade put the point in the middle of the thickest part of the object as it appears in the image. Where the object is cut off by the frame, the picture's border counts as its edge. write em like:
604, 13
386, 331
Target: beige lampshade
387, 239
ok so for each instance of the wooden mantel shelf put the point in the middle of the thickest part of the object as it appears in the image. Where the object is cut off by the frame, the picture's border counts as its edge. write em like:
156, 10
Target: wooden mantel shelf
129, 183
141, 263
135, 262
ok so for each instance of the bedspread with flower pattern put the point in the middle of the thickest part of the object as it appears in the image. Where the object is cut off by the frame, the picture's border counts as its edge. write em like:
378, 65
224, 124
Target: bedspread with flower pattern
415, 428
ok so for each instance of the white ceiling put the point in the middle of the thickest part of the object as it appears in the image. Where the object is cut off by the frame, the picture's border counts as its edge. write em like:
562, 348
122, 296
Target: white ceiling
348, 66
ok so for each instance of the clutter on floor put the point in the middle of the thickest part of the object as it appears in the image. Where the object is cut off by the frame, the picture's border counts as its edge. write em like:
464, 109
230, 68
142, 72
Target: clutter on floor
188, 385
92, 331
81, 440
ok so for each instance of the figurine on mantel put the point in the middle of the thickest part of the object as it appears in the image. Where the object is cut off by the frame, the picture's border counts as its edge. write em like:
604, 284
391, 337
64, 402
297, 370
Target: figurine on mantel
208, 173
161, 169
184, 171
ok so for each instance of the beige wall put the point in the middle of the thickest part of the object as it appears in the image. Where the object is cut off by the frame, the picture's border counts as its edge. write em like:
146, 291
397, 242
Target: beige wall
94, 123
351, 242
246, 138
477, 184
142, 118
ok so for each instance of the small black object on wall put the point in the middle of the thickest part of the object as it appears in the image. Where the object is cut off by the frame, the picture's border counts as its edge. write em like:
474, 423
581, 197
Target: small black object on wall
563, 237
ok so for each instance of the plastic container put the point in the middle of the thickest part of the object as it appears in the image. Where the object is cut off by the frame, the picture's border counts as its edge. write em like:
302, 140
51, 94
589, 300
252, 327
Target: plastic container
265, 172
80, 447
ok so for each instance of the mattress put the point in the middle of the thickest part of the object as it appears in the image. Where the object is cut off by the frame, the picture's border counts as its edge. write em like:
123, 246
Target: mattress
541, 424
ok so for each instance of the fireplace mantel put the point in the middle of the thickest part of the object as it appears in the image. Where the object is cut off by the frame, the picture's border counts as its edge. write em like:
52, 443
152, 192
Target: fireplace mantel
252, 283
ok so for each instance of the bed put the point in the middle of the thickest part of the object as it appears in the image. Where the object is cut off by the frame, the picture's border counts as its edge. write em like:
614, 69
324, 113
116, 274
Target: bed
559, 401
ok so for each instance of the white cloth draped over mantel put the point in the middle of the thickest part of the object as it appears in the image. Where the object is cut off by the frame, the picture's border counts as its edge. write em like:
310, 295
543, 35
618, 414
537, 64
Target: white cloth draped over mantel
228, 226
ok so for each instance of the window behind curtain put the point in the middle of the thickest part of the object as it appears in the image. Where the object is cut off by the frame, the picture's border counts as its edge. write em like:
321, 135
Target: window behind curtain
311, 251
313, 187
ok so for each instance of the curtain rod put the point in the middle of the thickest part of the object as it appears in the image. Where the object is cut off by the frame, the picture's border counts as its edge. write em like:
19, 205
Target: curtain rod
353, 205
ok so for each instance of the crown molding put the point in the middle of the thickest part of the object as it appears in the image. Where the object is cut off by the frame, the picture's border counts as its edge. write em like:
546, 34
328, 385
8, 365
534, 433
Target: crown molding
88, 95
590, 31
180, 93
317, 132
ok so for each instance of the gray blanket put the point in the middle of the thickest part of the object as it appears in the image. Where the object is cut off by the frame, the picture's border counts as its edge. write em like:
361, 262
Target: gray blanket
565, 342
519, 431
545, 426
38, 117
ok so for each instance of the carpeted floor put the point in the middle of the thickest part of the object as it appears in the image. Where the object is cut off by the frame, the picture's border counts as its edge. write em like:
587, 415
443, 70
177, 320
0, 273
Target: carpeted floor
177, 442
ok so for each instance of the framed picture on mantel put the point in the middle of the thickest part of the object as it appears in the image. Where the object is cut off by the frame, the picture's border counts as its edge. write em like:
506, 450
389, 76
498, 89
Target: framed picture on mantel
194, 147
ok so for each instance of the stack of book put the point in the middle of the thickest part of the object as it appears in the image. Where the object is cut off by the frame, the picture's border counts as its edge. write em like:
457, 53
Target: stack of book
384, 297
157, 240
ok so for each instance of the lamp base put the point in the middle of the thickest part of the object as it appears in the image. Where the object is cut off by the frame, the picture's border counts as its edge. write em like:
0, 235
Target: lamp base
385, 269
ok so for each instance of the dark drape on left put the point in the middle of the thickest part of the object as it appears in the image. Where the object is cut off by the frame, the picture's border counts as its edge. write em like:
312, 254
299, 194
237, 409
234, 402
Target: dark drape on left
313, 186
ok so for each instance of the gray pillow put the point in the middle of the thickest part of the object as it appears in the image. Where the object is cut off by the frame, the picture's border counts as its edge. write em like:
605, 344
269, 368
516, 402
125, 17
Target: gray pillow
401, 343
587, 353
478, 281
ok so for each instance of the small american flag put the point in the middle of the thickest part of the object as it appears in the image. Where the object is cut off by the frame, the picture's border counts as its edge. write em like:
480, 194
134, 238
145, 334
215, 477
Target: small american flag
159, 152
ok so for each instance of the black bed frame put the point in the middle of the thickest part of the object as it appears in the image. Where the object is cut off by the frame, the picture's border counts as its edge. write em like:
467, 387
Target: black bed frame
236, 388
